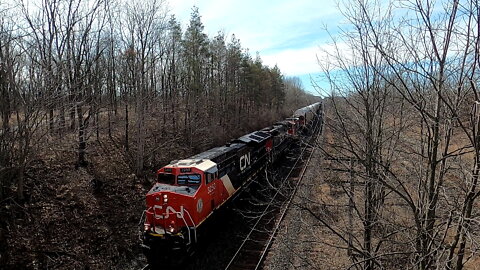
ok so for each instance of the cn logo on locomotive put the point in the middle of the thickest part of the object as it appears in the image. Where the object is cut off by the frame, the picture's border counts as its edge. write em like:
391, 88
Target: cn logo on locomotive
245, 161
170, 210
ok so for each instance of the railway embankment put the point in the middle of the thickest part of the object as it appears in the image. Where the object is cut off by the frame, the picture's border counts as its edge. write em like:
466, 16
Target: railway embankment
303, 241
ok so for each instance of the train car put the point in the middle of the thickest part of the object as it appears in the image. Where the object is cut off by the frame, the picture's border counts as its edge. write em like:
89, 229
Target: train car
188, 191
280, 140
294, 125
307, 113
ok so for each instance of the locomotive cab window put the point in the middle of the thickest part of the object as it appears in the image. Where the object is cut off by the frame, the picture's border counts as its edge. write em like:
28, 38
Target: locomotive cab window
166, 178
189, 179
209, 177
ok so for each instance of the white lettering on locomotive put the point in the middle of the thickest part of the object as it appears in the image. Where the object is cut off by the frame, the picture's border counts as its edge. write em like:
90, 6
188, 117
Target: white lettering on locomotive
169, 210
244, 161
211, 188
199, 205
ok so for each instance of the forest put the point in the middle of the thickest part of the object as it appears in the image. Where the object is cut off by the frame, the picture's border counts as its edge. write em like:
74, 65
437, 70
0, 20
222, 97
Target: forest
402, 139
97, 95
80, 72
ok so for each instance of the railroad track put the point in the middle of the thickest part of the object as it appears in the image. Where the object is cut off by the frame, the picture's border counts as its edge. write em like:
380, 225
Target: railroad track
255, 246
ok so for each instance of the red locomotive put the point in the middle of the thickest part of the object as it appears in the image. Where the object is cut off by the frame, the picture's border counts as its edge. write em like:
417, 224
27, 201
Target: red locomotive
188, 191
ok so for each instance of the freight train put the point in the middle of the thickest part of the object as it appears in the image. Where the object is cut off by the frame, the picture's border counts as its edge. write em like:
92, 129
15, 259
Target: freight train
188, 191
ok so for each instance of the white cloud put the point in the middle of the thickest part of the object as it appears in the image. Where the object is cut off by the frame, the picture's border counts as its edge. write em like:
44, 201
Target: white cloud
294, 62
258, 24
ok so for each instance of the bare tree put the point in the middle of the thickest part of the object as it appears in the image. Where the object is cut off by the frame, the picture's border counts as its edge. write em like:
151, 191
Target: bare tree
365, 115
415, 71
145, 24
18, 84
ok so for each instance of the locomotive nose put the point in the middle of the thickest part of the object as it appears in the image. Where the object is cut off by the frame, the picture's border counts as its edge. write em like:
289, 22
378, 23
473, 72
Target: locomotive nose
160, 198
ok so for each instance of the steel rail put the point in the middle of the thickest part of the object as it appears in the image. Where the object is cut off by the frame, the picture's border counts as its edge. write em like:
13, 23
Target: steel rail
285, 208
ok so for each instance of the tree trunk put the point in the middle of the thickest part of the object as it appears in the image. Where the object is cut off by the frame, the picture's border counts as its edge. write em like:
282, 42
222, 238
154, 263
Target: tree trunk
72, 118
126, 125
62, 117
140, 135
21, 181
50, 119
109, 115
82, 143
464, 223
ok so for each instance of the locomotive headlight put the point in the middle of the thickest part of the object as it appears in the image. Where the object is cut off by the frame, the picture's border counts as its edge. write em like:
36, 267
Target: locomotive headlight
165, 198
146, 227
171, 227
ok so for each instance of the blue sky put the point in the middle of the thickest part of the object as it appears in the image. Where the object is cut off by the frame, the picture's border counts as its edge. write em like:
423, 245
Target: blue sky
288, 33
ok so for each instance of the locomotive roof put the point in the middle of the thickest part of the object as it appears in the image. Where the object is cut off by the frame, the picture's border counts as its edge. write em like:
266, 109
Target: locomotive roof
256, 136
274, 129
201, 164
284, 123
217, 151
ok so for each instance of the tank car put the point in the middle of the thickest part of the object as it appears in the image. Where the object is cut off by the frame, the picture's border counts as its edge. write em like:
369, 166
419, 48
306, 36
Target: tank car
307, 113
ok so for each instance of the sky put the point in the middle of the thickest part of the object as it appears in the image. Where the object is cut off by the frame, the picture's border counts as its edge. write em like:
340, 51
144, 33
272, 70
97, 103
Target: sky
286, 33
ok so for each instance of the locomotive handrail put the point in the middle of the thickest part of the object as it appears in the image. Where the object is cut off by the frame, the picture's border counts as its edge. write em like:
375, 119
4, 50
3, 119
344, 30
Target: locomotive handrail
184, 221
141, 217
194, 226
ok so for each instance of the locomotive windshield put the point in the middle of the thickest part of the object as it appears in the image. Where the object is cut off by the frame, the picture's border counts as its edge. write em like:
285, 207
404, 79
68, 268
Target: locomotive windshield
166, 178
188, 179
